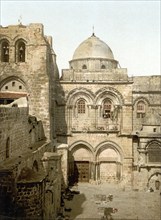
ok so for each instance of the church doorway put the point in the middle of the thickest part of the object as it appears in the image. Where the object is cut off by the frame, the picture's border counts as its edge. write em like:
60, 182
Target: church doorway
81, 171
108, 164
80, 164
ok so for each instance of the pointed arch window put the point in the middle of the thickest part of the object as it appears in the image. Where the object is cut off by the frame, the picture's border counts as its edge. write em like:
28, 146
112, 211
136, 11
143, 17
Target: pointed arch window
107, 107
5, 51
81, 106
141, 109
21, 51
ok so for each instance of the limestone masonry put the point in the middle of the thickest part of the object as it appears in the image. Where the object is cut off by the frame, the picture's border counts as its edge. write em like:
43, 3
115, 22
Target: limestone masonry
93, 124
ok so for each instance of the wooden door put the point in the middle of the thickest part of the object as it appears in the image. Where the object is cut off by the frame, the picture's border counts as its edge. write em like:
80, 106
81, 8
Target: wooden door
81, 171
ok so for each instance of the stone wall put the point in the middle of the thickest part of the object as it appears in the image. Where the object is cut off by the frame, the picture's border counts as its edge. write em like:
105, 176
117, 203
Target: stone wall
148, 90
29, 200
25, 182
18, 131
36, 74
7, 193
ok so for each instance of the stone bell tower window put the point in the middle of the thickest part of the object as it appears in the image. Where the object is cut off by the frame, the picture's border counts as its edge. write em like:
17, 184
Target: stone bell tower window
5, 52
107, 106
140, 109
81, 107
21, 50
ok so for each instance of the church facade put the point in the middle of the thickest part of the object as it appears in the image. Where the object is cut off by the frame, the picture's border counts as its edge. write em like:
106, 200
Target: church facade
93, 124
111, 122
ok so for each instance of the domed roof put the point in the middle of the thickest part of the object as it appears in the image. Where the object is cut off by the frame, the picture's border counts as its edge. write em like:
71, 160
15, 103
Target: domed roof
93, 47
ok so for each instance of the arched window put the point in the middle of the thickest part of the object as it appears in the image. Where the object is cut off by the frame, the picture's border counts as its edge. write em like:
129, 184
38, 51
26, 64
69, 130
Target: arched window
84, 67
107, 106
5, 51
21, 51
103, 67
154, 153
7, 147
81, 106
140, 109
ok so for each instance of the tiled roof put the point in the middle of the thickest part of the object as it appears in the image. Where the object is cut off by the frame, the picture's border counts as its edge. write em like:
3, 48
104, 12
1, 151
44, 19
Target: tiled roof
11, 95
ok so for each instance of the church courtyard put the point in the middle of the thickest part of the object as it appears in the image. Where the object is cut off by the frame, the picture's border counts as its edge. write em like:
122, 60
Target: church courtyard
98, 202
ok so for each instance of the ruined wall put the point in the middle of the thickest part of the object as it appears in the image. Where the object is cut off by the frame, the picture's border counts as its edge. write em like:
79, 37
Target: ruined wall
19, 132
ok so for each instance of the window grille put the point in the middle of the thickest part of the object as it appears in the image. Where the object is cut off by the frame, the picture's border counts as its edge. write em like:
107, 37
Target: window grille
81, 107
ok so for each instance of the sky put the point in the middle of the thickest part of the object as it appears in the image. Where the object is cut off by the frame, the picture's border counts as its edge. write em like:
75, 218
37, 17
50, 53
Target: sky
131, 28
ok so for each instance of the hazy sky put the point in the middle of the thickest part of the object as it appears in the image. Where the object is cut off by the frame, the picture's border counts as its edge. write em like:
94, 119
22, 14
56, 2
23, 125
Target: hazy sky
132, 29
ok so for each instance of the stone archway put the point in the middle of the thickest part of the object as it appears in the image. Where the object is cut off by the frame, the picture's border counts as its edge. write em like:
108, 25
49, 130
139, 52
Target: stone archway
80, 164
109, 166
154, 181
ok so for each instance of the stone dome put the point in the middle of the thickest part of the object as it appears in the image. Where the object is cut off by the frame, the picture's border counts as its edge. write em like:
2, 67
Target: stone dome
93, 47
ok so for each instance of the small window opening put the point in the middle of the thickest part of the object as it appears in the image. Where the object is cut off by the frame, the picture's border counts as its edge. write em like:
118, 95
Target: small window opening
103, 67
5, 52
154, 129
107, 109
84, 67
141, 109
21, 52
6, 87
7, 147
20, 87
81, 107
13, 83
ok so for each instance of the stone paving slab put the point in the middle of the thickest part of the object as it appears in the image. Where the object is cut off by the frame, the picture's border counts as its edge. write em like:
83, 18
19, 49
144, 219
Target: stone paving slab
131, 205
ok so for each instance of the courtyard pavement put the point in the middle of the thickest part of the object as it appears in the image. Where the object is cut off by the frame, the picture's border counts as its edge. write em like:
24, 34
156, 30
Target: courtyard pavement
93, 202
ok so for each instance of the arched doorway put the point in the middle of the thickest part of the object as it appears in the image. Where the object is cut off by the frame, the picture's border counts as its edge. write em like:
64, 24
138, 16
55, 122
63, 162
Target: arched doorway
109, 166
80, 164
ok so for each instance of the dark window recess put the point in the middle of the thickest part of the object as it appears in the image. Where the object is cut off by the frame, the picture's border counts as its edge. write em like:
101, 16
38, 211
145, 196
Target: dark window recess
103, 67
107, 109
21, 52
84, 67
13, 83
140, 115
7, 147
5, 52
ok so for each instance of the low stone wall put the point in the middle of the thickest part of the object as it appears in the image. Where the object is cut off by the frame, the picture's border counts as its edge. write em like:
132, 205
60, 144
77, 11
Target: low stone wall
30, 199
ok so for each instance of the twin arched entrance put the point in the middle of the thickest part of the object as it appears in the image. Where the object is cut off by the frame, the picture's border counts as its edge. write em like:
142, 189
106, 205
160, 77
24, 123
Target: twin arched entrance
87, 164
